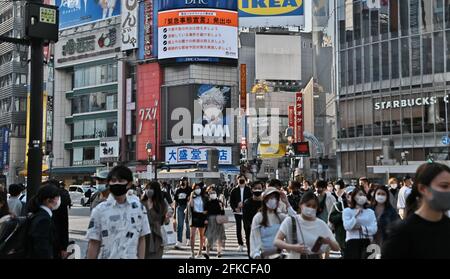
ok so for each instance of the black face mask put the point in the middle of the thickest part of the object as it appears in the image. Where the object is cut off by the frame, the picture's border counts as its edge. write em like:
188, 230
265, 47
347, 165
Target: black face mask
242, 181
257, 193
118, 189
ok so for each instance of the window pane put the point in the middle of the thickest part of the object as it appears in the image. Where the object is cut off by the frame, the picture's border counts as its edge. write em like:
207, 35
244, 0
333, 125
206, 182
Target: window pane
357, 22
404, 11
415, 55
350, 66
89, 153
78, 130
447, 38
384, 20
447, 13
414, 16
405, 57
427, 59
358, 66
100, 128
374, 24
376, 62
365, 24
439, 52
427, 16
393, 20
89, 129
366, 64
394, 58
343, 68
438, 18
112, 128
77, 155
385, 60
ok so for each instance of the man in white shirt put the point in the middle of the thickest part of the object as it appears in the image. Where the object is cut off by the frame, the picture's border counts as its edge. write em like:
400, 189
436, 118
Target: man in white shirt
16, 206
403, 195
118, 226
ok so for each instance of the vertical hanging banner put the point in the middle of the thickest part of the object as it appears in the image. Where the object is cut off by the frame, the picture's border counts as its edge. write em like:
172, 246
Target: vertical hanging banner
148, 29
130, 9
291, 116
244, 86
299, 125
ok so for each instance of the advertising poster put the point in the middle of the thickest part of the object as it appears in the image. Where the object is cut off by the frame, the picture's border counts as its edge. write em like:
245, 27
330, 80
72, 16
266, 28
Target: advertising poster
198, 33
180, 155
78, 12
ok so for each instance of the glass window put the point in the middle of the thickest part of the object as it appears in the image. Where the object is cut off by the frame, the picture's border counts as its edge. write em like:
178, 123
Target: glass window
395, 59
365, 24
405, 57
343, 68
427, 58
384, 20
78, 130
77, 155
393, 17
358, 66
427, 15
439, 52
89, 153
100, 128
447, 13
111, 102
374, 24
404, 11
385, 60
367, 64
112, 128
89, 129
357, 22
415, 55
438, 17
350, 67
375, 62
447, 38
414, 16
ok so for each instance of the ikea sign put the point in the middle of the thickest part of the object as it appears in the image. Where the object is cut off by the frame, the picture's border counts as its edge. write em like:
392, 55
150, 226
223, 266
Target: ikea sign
264, 8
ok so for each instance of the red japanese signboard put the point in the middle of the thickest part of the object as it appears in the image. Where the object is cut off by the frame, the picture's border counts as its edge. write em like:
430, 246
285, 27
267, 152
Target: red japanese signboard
299, 125
291, 115
243, 86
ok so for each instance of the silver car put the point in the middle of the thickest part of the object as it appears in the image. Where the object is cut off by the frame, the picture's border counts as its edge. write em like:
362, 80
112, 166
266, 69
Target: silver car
79, 194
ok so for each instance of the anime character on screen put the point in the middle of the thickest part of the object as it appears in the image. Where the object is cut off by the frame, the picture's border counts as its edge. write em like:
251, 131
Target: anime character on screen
213, 100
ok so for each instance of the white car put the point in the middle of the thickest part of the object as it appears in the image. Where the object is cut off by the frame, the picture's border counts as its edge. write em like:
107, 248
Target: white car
78, 194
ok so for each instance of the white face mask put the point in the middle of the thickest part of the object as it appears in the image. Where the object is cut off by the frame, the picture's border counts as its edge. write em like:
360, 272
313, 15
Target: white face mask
309, 212
380, 199
198, 191
213, 196
361, 200
394, 186
272, 203
58, 204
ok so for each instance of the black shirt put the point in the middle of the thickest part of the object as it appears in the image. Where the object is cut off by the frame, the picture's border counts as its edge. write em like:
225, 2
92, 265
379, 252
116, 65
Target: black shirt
182, 196
249, 211
417, 238
214, 207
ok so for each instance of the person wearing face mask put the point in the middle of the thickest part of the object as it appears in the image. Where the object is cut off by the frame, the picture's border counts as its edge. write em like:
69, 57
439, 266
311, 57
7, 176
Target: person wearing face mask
424, 233
403, 195
339, 189
118, 226
335, 218
215, 232
158, 214
360, 223
251, 207
385, 213
265, 226
102, 192
196, 215
181, 197
326, 200
393, 192
42, 231
295, 194
299, 234
238, 195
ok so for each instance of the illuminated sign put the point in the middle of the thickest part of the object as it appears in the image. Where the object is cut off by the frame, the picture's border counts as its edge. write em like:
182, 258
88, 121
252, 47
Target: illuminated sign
271, 7
405, 103
196, 154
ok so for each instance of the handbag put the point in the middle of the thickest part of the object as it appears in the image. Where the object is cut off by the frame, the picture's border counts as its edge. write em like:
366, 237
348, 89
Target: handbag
168, 234
222, 219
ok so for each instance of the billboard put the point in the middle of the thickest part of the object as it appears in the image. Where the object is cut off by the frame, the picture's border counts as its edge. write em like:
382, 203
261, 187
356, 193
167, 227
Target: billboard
78, 12
181, 155
4, 155
130, 17
181, 4
188, 34
271, 13
109, 149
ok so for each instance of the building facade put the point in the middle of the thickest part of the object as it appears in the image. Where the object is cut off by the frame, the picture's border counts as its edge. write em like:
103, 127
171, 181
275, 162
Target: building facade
393, 77
13, 93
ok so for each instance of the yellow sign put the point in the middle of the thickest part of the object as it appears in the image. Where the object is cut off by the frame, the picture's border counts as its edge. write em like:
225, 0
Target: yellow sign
47, 15
272, 150
271, 7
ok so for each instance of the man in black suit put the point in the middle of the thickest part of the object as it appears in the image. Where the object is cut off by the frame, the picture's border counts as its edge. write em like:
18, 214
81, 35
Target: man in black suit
237, 197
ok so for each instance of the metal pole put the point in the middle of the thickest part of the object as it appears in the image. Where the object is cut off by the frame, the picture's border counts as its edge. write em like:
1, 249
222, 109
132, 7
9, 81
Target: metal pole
156, 150
36, 115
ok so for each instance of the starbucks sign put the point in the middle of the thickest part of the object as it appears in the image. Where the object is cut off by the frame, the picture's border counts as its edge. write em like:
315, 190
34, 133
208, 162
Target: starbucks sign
407, 103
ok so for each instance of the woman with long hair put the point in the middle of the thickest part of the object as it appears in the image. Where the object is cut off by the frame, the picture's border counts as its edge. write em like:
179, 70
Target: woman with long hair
385, 213
265, 226
360, 223
158, 213
425, 231
305, 236
197, 216
42, 231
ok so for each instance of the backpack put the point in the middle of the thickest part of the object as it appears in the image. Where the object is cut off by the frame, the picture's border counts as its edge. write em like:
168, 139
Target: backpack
14, 239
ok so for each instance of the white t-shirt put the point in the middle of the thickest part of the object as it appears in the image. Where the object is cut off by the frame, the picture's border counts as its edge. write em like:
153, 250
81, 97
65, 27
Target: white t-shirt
310, 230
402, 196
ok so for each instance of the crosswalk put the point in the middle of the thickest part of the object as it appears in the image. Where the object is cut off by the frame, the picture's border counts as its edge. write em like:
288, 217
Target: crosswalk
230, 251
